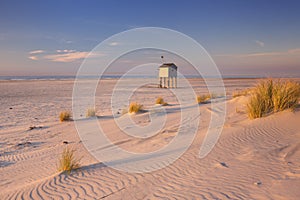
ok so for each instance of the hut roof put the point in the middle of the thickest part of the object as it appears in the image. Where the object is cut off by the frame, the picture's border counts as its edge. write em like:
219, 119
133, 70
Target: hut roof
168, 65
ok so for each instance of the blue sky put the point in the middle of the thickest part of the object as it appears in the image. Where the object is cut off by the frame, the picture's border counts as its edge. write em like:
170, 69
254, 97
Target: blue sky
243, 37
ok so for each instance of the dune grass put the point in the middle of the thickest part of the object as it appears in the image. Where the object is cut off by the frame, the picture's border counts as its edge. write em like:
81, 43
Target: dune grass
161, 101
240, 93
272, 96
134, 107
260, 102
91, 112
65, 116
215, 95
255, 107
203, 98
285, 95
68, 161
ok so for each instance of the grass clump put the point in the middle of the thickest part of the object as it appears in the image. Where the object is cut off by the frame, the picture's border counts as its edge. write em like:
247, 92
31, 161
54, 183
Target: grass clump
270, 96
91, 112
240, 93
161, 101
214, 95
68, 161
65, 116
135, 107
285, 95
260, 102
255, 107
203, 98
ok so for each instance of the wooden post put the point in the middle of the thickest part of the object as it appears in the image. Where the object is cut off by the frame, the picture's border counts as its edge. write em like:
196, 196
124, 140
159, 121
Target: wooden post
174, 82
160, 82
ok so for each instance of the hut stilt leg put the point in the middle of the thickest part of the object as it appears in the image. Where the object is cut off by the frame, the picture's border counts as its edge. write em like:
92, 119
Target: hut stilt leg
160, 83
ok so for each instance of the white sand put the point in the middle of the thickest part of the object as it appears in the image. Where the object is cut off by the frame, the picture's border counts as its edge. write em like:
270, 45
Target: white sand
253, 159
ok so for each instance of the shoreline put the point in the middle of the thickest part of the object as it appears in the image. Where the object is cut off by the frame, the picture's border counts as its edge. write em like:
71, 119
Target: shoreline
105, 77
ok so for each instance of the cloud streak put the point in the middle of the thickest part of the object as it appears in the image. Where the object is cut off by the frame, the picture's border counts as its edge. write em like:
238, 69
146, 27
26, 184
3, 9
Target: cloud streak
67, 56
114, 44
263, 63
33, 58
36, 52
62, 55
33, 55
259, 43
65, 50
263, 54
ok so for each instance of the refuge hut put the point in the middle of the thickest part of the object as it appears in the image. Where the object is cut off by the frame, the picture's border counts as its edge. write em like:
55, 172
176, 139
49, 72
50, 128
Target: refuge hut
168, 75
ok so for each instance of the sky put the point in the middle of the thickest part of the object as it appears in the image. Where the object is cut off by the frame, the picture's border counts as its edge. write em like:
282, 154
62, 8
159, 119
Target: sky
243, 37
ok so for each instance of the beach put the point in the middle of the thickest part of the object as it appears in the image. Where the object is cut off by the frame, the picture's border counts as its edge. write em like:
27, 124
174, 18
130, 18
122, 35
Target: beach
253, 159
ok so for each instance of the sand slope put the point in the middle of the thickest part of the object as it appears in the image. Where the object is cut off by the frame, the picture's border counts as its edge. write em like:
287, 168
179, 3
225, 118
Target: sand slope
258, 159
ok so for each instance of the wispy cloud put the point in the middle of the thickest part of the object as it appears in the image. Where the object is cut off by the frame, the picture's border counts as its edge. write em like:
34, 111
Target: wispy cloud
65, 50
33, 58
33, 55
114, 44
36, 51
261, 62
66, 57
62, 55
262, 54
70, 56
259, 43
66, 41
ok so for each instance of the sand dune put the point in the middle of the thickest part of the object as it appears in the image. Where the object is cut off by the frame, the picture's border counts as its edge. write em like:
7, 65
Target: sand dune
253, 159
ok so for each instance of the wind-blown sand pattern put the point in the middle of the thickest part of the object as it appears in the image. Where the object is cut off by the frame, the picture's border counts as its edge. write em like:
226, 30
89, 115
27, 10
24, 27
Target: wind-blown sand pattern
253, 159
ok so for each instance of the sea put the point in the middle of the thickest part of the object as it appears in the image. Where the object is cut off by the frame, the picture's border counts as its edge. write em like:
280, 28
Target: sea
16, 78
